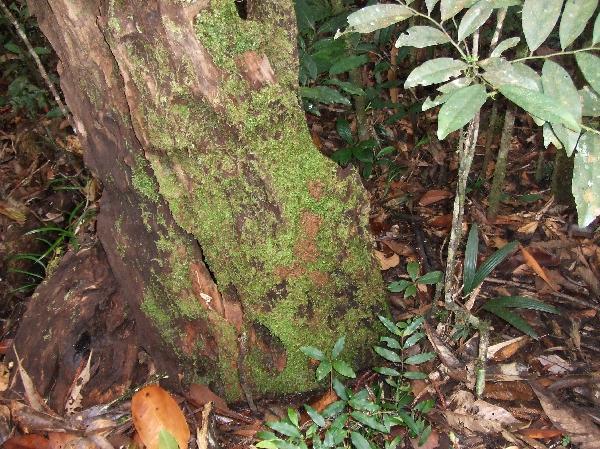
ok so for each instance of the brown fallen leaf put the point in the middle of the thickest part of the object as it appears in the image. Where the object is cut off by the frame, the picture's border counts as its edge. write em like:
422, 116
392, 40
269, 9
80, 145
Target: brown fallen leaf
27, 442
528, 228
200, 394
153, 409
433, 196
569, 420
387, 262
321, 404
502, 351
508, 391
441, 221
536, 267
14, 210
402, 249
540, 434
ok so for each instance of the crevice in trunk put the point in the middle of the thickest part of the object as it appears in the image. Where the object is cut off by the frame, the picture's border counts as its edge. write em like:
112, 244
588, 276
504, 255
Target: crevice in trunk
242, 8
205, 262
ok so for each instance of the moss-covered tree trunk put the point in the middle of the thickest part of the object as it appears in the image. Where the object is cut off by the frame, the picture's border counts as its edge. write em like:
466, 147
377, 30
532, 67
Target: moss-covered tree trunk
233, 240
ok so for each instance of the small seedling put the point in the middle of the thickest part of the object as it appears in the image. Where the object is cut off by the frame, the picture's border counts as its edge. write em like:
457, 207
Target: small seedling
329, 365
410, 287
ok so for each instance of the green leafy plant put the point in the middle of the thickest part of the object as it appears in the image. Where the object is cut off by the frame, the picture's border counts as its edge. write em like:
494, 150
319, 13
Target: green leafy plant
409, 287
502, 307
330, 364
363, 419
468, 80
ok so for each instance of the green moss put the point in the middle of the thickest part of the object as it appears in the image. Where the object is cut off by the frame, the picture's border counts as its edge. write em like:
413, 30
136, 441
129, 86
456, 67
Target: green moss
142, 181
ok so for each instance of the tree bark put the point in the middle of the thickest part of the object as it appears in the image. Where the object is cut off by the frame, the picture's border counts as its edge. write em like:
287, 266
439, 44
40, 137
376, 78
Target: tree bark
232, 239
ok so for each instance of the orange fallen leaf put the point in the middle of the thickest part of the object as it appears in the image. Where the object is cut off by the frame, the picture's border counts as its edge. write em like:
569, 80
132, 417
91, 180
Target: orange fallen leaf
540, 434
433, 196
441, 221
153, 409
26, 442
321, 404
536, 267
200, 395
387, 262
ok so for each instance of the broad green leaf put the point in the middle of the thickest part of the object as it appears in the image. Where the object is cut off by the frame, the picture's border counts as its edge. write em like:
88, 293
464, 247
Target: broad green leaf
429, 103
387, 354
399, 286
596, 33
421, 37
521, 302
338, 347
409, 421
313, 352
476, 16
285, 428
539, 105
359, 442
454, 85
590, 101
550, 137
590, 67
586, 178
430, 4
450, 8
324, 94
471, 253
460, 108
433, 277
315, 415
410, 291
369, 421
342, 127
434, 71
513, 319
346, 86
348, 63
499, 71
574, 19
268, 444
417, 359
323, 369
391, 343
344, 369
375, 17
390, 325
558, 85
538, 20
413, 339
414, 375
293, 416
13, 48
166, 440
425, 435
340, 389
413, 326
412, 268
492, 262
385, 371
334, 409
505, 45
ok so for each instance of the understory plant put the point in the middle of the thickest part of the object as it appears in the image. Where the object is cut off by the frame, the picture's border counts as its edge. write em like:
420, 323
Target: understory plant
365, 418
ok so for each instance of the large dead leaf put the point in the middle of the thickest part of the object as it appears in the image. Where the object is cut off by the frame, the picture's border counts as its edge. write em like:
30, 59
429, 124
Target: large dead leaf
433, 196
537, 268
201, 395
27, 442
570, 421
502, 351
387, 262
153, 409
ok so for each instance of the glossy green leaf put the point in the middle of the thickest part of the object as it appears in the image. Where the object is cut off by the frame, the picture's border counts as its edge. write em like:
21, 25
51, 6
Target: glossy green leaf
313, 352
285, 428
375, 17
323, 369
369, 421
413, 326
293, 416
413, 339
166, 440
499, 71
474, 18
574, 19
492, 262
471, 254
586, 178
539, 105
433, 277
338, 347
538, 19
390, 356
558, 85
450, 8
315, 415
391, 343
413, 268
590, 101
421, 37
434, 71
346, 86
513, 319
410, 291
359, 442
521, 302
390, 325
344, 369
590, 67
342, 127
460, 108
334, 409
417, 359
340, 389
348, 63
505, 45
385, 371
323, 94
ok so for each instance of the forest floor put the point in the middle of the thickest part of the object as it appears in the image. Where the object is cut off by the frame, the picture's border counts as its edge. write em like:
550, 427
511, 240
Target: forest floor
540, 392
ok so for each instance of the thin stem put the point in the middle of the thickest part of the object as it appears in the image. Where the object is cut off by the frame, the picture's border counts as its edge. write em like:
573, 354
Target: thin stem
559, 53
35, 57
592, 130
499, 23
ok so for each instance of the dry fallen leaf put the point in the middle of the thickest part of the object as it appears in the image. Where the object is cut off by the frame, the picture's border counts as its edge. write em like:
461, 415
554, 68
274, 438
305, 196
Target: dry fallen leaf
387, 262
540, 434
433, 196
27, 442
14, 210
537, 268
200, 395
153, 409
502, 351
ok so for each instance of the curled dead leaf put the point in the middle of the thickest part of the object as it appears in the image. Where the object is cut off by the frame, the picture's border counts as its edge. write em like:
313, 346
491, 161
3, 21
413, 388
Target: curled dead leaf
387, 262
433, 196
537, 268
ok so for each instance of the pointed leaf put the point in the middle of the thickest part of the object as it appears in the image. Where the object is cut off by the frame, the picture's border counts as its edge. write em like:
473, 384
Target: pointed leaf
313, 352
590, 101
359, 442
492, 262
413, 340
499, 71
429, 103
430, 4
293, 416
414, 375
538, 20
471, 253
521, 302
391, 343
434, 71
375, 17
323, 94
450, 8
550, 137
387, 354
476, 16
166, 440
421, 37
590, 67
369, 421
413, 326
399, 286
315, 416
344, 369
385, 371
390, 325
338, 347
596, 33
454, 85
505, 45
574, 19
433, 277
460, 108
348, 63
323, 369
417, 359
558, 85
539, 105
285, 428
586, 178
340, 389
512, 319
413, 269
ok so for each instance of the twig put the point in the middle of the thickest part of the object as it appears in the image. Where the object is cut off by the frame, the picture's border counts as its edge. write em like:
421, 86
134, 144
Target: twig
558, 53
36, 58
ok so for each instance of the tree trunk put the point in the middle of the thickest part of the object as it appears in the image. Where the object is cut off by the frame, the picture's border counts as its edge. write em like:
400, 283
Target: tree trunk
232, 239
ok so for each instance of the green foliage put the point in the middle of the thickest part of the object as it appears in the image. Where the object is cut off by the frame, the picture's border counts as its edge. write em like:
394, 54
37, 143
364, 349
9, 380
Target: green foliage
166, 440
329, 365
362, 420
409, 287
551, 99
